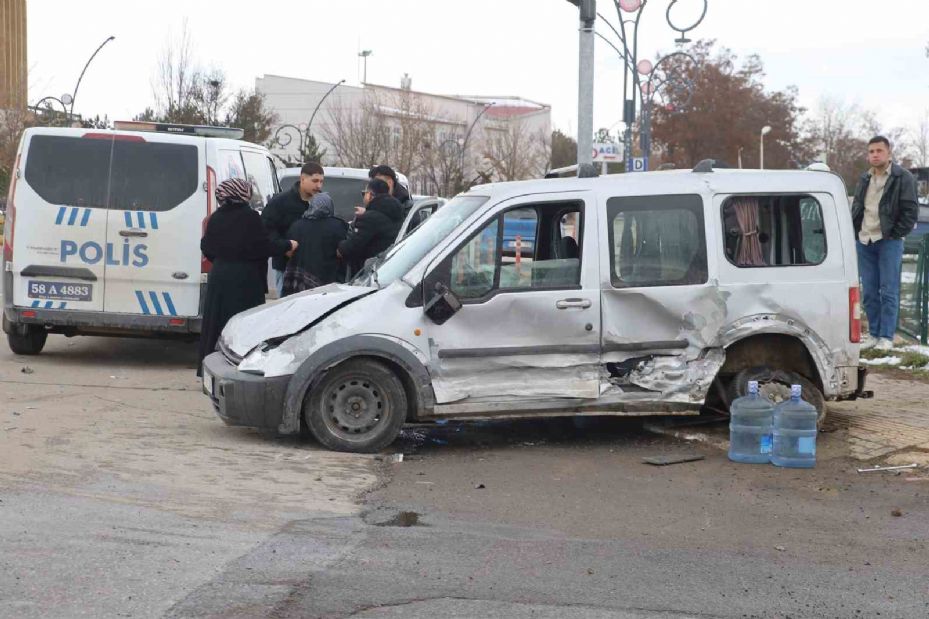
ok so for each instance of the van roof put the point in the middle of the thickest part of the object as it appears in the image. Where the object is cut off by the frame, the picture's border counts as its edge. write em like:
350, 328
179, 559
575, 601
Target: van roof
148, 136
676, 182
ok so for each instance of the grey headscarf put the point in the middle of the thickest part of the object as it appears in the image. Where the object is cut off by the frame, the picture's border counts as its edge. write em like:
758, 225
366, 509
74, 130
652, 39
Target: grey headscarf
321, 206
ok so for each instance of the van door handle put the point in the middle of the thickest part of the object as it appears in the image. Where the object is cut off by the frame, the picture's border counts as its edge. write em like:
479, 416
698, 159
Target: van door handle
132, 233
569, 303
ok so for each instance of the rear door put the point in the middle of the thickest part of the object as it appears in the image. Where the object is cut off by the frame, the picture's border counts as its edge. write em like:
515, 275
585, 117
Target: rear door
59, 257
260, 172
157, 201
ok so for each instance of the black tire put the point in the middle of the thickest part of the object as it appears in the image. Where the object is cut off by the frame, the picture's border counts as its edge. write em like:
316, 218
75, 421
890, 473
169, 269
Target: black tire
775, 384
359, 406
26, 339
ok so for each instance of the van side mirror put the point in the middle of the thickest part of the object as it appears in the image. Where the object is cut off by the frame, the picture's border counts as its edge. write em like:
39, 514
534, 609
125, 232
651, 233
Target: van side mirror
442, 305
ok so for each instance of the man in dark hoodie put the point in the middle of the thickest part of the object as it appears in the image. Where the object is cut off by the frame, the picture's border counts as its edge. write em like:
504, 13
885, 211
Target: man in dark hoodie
398, 191
376, 227
287, 207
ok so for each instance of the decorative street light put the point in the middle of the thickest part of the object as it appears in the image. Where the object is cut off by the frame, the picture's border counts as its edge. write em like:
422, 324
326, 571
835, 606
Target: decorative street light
303, 135
629, 13
364, 56
764, 131
78, 85
464, 144
38, 108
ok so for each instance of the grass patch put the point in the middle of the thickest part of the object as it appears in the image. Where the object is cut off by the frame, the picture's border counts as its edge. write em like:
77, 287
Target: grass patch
870, 353
913, 359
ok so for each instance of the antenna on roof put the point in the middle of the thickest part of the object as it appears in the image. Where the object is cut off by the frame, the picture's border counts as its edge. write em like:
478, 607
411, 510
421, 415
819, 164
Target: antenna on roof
706, 165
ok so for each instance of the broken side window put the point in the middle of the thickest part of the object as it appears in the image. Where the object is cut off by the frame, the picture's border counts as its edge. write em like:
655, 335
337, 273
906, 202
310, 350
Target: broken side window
773, 230
657, 241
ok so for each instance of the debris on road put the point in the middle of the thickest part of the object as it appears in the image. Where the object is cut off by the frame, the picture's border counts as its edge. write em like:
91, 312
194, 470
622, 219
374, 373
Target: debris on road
479, 486
27, 370
896, 513
666, 459
780, 548
879, 469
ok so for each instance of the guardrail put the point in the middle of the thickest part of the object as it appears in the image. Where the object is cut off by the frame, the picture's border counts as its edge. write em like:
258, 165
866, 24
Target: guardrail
914, 290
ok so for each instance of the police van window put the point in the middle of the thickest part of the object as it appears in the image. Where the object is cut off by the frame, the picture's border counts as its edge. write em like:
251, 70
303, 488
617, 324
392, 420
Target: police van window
143, 176
229, 165
258, 173
345, 193
657, 241
771, 231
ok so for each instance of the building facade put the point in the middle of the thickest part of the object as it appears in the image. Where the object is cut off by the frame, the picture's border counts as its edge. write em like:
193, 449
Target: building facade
13, 68
443, 143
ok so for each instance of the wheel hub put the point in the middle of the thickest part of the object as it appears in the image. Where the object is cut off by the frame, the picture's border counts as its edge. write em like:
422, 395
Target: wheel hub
355, 406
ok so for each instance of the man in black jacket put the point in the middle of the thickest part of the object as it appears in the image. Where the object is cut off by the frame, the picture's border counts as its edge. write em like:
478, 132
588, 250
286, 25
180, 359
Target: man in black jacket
398, 191
884, 210
287, 207
377, 225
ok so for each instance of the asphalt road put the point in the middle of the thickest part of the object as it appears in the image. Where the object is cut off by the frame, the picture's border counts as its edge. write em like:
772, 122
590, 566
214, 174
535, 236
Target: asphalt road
121, 494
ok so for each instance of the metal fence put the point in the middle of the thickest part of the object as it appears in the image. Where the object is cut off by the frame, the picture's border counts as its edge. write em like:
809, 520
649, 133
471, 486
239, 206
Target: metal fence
914, 290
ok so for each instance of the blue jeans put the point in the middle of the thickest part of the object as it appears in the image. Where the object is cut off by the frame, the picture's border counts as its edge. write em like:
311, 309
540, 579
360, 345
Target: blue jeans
879, 267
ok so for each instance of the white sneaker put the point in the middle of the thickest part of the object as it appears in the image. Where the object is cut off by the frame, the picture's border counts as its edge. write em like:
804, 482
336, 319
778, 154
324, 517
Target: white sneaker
868, 342
884, 343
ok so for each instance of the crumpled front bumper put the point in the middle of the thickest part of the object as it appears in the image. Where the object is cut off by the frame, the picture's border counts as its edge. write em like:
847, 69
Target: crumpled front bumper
242, 399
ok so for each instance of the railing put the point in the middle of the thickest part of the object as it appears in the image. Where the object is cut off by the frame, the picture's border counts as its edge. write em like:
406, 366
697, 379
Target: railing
914, 290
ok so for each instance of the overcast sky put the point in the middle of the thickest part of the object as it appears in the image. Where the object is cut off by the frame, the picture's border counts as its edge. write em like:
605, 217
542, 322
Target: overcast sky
869, 52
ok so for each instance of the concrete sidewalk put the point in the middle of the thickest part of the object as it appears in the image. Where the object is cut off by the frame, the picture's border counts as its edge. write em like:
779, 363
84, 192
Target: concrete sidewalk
895, 420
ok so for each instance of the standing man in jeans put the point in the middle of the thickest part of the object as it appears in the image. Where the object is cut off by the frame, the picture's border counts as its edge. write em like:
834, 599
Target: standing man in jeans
287, 207
884, 211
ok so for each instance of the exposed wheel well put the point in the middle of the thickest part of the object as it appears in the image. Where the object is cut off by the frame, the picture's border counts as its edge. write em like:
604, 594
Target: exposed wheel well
775, 350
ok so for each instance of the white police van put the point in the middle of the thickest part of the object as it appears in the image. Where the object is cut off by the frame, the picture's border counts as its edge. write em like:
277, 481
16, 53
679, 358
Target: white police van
103, 228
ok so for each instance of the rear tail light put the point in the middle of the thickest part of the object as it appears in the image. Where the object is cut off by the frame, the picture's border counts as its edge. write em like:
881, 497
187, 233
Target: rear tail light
206, 265
28, 313
9, 225
854, 315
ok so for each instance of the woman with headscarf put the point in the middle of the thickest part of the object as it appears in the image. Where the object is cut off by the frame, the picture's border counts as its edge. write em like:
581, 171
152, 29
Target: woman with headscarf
318, 234
238, 245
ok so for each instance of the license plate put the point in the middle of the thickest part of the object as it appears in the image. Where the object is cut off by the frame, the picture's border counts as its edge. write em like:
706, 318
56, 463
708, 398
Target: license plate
207, 383
60, 291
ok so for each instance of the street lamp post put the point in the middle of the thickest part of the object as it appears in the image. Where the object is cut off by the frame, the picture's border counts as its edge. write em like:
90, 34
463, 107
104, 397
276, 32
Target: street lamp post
764, 131
629, 13
464, 143
364, 55
302, 134
78, 85
63, 102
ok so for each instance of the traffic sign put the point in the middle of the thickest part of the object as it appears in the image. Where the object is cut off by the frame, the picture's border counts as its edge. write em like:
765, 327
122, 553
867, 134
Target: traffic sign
607, 151
640, 164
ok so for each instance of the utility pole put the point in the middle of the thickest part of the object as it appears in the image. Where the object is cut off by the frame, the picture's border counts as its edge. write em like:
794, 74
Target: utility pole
364, 55
587, 10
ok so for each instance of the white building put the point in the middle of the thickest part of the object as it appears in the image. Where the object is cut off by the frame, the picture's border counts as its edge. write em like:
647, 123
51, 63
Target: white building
428, 137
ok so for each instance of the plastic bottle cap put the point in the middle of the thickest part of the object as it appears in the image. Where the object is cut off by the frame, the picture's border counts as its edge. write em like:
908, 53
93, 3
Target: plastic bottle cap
753, 387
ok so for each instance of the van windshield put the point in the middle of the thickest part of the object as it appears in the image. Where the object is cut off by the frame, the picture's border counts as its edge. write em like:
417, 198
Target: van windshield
400, 258
127, 175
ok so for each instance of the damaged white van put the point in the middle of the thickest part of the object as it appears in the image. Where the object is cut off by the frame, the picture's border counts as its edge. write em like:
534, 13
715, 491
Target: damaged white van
653, 293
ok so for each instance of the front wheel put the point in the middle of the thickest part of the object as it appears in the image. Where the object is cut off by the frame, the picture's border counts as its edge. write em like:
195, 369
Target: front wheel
359, 406
775, 385
26, 339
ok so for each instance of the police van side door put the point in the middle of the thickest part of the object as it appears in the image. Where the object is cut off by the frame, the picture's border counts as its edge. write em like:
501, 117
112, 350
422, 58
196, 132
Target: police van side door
157, 204
60, 233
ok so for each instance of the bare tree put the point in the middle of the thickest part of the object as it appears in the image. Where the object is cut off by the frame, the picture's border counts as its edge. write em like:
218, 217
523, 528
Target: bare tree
359, 136
919, 140
514, 152
838, 133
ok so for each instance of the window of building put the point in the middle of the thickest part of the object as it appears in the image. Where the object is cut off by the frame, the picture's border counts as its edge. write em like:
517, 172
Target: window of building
773, 230
657, 241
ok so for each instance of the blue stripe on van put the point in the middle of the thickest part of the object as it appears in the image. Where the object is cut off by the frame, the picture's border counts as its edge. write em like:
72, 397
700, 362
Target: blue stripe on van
86, 217
73, 217
169, 304
153, 218
61, 215
141, 217
142, 303
128, 216
155, 303
35, 303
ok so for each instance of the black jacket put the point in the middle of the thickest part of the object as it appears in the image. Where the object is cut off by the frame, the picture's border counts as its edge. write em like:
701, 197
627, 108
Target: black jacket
239, 248
898, 208
403, 197
318, 239
281, 212
375, 231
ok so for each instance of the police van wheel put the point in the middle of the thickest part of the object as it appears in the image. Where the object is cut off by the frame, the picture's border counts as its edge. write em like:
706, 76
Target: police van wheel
359, 406
26, 339
775, 384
